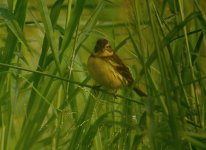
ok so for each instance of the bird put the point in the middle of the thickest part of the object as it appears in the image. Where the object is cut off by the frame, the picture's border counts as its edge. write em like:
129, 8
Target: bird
107, 69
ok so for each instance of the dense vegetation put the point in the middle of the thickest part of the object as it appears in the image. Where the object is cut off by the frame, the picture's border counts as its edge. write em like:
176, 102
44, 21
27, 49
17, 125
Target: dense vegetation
47, 97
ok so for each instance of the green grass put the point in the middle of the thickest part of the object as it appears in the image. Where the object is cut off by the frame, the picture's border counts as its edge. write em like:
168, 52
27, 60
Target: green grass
47, 99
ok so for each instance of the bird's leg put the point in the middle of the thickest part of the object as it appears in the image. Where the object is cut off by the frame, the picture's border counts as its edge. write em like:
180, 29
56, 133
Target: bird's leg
96, 89
115, 94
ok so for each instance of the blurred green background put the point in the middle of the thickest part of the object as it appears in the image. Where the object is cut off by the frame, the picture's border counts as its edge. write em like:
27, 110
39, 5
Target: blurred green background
47, 99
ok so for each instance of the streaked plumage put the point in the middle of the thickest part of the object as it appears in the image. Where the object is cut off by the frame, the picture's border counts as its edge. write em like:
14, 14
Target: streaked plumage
108, 69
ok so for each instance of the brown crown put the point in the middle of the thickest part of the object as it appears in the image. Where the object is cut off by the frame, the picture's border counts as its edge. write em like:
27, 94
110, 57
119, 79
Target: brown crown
100, 44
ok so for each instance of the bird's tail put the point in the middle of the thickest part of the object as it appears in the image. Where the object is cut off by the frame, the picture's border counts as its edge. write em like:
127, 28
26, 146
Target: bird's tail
139, 92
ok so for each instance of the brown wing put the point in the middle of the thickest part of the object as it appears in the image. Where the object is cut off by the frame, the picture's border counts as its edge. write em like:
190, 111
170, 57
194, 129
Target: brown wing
120, 67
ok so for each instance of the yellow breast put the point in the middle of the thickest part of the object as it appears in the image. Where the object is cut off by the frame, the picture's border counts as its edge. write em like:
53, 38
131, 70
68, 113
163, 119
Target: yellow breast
104, 73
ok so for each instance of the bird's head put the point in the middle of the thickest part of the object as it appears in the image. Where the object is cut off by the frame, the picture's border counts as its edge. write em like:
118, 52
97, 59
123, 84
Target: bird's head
103, 48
